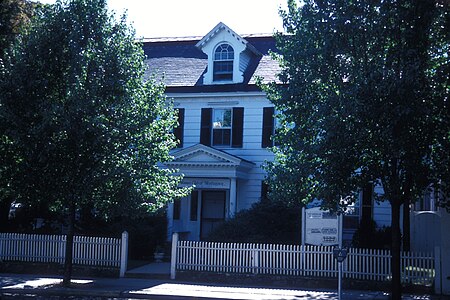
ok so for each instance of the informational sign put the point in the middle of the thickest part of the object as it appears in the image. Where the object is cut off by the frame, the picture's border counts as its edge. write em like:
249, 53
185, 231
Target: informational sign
320, 227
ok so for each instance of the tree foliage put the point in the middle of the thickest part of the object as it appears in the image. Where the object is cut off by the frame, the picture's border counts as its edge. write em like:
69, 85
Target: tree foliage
365, 100
14, 16
87, 129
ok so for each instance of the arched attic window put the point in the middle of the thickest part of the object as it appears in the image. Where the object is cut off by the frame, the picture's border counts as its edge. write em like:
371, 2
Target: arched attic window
223, 63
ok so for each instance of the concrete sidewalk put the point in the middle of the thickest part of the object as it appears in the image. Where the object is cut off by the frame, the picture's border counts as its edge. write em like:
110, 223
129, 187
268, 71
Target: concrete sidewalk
46, 286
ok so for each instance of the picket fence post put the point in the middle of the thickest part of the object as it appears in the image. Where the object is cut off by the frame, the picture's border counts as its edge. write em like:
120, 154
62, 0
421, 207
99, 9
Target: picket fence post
255, 259
173, 256
124, 254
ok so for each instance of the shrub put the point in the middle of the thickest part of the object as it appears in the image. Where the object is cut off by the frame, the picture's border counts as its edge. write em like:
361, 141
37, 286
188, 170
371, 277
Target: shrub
264, 222
370, 237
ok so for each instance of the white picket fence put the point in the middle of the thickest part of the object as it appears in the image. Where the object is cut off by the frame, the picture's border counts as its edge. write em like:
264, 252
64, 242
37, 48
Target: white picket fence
88, 251
295, 260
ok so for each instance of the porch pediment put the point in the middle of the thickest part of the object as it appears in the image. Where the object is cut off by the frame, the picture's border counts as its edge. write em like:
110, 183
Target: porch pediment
203, 161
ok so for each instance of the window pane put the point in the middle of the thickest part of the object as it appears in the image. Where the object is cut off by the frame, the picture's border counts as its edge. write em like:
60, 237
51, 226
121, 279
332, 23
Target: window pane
218, 118
223, 77
221, 137
217, 137
222, 118
223, 67
224, 52
227, 118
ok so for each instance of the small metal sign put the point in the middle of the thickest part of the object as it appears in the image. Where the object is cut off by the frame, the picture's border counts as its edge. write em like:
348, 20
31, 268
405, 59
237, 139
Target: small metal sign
340, 254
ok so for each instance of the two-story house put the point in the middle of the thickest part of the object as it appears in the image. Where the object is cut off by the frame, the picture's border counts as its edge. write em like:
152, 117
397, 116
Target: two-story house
225, 122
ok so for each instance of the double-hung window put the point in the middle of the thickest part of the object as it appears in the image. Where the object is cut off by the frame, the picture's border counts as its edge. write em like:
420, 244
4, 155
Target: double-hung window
222, 127
223, 63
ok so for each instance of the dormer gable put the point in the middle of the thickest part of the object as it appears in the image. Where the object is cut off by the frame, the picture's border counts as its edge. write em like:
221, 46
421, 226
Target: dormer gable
228, 55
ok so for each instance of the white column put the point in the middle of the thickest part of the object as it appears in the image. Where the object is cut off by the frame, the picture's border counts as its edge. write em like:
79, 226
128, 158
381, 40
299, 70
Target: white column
233, 204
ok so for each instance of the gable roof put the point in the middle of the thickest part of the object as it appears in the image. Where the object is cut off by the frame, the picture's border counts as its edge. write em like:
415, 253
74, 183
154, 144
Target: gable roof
222, 27
180, 64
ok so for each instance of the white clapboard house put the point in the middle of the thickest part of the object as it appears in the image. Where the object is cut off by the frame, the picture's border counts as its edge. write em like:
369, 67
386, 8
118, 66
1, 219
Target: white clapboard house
226, 123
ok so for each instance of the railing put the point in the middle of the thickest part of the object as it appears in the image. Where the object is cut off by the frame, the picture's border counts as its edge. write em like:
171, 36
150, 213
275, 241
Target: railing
90, 251
295, 260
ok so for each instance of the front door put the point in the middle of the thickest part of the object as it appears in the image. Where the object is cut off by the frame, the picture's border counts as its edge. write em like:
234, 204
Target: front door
213, 211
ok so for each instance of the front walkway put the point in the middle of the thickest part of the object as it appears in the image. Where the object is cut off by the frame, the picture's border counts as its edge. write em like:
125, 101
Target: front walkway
153, 270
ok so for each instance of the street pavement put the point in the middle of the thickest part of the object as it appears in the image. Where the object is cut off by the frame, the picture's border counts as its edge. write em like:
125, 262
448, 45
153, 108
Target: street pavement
13, 286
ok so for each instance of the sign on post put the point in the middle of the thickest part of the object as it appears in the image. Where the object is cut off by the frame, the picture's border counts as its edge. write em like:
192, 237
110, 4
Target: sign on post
340, 254
320, 227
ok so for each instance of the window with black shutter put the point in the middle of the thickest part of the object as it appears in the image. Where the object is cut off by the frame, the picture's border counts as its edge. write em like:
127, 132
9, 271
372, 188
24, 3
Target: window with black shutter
268, 127
222, 127
179, 129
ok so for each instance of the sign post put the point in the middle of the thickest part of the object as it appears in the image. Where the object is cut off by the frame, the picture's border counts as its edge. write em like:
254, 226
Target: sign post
340, 254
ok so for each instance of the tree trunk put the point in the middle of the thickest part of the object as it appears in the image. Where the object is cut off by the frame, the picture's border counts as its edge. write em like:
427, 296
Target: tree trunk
69, 246
396, 289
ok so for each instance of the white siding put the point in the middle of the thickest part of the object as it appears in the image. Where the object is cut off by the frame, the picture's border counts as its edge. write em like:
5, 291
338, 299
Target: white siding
248, 191
381, 210
244, 60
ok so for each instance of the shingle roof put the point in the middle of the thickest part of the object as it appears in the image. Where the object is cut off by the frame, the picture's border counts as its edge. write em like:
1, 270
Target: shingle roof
181, 65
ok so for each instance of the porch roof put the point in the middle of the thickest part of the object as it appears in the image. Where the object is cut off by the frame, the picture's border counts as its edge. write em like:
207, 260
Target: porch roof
203, 161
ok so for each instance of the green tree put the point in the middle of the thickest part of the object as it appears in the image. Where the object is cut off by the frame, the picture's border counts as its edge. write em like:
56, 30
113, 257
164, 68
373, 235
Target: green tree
85, 125
14, 17
365, 100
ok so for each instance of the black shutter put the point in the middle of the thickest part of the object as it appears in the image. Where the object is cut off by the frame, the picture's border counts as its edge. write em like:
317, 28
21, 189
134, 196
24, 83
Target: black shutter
367, 204
176, 209
237, 127
264, 191
267, 129
178, 130
205, 129
194, 206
